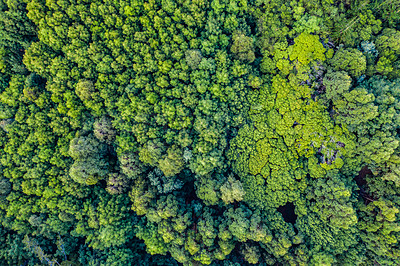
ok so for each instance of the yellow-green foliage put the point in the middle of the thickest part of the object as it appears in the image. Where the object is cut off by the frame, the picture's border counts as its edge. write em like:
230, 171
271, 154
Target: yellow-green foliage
307, 48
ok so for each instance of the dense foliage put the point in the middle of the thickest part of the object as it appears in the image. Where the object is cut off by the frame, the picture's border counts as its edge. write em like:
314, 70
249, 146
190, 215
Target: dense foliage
148, 132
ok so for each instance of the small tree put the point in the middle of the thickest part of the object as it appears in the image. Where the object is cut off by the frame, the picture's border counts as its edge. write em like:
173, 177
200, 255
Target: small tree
350, 60
85, 89
232, 190
104, 130
243, 47
117, 183
193, 58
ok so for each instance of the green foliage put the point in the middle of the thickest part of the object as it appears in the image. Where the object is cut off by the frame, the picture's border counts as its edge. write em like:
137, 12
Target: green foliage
306, 49
199, 132
5, 186
351, 107
370, 111
103, 130
117, 183
331, 199
131, 166
388, 45
232, 190
251, 253
193, 58
89, 165
37, 250
380, 230
282, 137
17, 32
208, 190
349, 60
243, 47
359, 24
164, 184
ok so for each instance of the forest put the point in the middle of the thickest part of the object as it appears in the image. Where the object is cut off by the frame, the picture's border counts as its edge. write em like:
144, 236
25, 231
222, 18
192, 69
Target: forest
199, 132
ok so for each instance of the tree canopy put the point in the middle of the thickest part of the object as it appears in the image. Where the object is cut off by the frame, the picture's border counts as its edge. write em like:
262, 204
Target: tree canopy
168, 132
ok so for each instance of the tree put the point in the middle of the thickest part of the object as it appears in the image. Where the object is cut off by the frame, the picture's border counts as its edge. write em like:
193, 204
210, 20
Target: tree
388, 46
85, 90
350, 60
207, 189
330, 198
380, 230
89, 165
232, 190
369, 111
173, 162
243, 46
104, 130
232, 128
307, 48
117, 183
164, 184
352, 107
251, 253
193, 58
131, 166
5, 186
86, 146
88, 171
